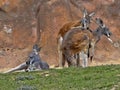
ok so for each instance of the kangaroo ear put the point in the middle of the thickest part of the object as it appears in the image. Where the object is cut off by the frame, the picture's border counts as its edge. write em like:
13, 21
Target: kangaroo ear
85, 13
100, 22
35, 46
92, 14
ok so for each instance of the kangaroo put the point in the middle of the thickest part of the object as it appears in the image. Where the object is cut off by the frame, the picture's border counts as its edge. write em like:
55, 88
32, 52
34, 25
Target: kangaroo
83, 41
83, 24
34, 62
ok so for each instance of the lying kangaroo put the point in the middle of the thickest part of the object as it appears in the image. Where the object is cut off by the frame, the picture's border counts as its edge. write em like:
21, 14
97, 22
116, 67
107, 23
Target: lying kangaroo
34, 62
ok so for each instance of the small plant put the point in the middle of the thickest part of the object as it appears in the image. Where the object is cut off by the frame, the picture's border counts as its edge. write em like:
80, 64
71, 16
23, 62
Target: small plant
26, 87
22, 78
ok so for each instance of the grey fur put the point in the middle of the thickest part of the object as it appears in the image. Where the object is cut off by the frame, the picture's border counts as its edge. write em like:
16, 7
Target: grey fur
34, 62
91, 41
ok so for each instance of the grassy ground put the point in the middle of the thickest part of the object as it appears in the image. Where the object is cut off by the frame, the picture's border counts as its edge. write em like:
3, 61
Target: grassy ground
91, 78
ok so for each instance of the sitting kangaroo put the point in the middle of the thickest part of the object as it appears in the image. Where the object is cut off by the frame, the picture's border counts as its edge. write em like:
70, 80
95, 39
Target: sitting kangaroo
34, 62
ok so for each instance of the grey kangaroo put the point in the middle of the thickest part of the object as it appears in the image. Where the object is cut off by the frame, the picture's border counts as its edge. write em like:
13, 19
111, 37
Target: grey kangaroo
34, 62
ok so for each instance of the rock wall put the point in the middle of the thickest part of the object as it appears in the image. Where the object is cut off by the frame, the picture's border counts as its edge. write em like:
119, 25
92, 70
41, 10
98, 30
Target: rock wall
21, 18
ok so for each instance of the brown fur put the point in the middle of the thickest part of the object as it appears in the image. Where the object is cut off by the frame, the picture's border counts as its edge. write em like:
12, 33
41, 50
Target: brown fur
82, 23
76, 40
67, 27
61, 34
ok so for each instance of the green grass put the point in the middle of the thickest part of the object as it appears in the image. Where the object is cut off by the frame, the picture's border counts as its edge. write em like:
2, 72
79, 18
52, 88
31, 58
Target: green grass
91, 78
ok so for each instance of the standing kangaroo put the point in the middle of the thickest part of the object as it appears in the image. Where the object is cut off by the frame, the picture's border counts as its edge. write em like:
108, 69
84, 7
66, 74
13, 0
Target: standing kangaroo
83, 24
83, 41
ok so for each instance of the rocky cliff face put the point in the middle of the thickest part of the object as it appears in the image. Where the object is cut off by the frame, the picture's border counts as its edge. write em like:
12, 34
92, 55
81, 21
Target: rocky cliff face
21, 18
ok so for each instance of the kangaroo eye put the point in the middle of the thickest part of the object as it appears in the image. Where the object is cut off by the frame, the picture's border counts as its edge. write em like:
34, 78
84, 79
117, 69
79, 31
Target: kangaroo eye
86, 21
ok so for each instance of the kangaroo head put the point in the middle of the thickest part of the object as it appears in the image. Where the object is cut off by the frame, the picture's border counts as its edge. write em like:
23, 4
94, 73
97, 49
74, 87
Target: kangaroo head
105, 30
86, 20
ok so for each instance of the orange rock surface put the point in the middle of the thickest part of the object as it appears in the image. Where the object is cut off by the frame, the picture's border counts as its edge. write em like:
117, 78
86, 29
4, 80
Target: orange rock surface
18, 28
